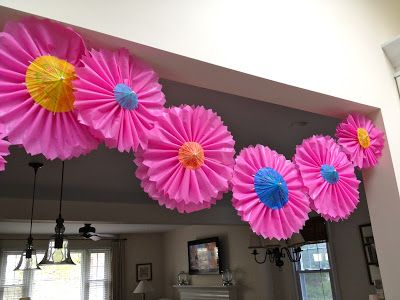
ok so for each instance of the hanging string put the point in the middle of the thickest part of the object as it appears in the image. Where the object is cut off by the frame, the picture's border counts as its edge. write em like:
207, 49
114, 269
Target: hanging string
35, 167
61, 190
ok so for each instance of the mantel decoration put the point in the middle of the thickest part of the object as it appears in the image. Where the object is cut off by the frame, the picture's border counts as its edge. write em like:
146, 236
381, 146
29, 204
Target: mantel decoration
227, 277
361, 140
37, 63
4, 144
268, 193
118, 97
182, 278
188, 159
328, 176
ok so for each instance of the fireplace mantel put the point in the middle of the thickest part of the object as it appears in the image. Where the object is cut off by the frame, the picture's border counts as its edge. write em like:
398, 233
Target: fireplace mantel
198, 292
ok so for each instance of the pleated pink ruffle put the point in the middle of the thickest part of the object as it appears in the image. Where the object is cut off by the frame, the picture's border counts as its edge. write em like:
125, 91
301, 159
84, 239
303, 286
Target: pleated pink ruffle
269, 223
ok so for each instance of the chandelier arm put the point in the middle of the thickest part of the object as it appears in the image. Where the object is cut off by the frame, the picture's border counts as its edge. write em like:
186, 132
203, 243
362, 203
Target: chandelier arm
255, 253
294, 256
271, 256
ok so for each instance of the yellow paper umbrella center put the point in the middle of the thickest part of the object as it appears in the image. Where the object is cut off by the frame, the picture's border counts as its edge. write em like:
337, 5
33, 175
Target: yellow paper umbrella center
363, 138
49, 82
191, 155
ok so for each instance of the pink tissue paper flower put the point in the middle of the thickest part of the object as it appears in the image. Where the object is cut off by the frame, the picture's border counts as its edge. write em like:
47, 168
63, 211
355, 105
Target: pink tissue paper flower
188, 161
328, 176
37, 63
268, 193
360, 140
118, 97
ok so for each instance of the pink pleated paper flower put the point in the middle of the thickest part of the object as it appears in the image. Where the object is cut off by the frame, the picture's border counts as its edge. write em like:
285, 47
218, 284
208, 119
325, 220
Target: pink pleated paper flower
37, 66
328, 176
268, 193
188, 161
3, 151
150, 188
328, 217
118, 97
361, 140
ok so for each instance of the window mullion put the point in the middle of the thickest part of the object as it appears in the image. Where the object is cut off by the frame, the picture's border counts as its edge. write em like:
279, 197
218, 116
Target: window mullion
27, 283
85, 269
314, 271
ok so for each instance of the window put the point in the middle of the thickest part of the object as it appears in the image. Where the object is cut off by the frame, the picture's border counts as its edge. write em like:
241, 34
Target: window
314, 273
89, 279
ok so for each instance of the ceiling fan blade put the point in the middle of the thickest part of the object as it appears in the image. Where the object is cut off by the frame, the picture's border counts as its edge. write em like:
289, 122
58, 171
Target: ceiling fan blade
95, 238
106, 235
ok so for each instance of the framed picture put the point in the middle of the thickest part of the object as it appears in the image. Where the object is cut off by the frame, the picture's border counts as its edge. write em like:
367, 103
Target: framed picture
144, 272
204, 257
371, 258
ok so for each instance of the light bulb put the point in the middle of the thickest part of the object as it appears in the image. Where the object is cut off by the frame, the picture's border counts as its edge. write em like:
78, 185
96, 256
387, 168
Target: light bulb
58, 255
28, 263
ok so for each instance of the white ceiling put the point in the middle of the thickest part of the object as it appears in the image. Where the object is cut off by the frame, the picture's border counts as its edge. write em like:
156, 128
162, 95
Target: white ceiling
73, 228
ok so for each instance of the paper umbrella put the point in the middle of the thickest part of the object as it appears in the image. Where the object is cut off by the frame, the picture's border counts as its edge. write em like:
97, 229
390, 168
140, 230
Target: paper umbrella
188, 162
37, 63
118, 97
328, 176
361, 140
268, 193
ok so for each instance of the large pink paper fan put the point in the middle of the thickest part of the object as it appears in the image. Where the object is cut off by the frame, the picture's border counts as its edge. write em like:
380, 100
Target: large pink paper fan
37, 63
150, 188
268, 193
328, 176
3, 151
361, 140
188, 161
118, 97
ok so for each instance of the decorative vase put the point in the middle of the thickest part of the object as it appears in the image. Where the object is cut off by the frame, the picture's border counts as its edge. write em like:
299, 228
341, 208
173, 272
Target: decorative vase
183, 278
227, 277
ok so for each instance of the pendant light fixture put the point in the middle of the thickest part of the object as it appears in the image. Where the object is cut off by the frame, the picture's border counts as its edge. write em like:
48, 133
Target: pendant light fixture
28, 259
58, 252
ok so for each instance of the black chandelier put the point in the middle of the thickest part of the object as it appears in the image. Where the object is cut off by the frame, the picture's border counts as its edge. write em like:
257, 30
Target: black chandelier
276, 250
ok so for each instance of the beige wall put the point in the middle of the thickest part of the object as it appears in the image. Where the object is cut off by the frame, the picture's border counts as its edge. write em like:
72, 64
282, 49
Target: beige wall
145, 248
254, 280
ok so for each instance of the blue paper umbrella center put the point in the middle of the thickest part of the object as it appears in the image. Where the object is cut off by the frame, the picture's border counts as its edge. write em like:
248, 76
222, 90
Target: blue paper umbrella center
329, 173
271, 188
125, 96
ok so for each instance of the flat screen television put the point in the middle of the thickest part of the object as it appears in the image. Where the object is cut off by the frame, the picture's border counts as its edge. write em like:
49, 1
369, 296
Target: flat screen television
204, 257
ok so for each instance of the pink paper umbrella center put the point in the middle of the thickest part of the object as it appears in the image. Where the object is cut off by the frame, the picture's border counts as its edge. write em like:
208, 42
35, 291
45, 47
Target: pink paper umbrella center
191, 155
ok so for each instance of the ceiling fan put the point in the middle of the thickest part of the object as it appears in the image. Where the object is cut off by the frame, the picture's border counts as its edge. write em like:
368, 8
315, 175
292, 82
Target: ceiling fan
89, 232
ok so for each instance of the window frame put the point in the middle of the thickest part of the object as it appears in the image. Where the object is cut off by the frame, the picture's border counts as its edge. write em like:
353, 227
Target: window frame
331, 271
28, 276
